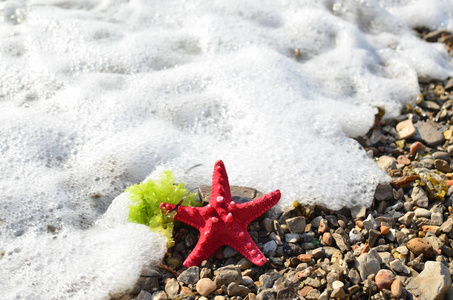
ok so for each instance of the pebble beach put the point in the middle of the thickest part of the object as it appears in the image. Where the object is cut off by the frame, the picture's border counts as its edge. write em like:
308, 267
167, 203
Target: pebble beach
401, 247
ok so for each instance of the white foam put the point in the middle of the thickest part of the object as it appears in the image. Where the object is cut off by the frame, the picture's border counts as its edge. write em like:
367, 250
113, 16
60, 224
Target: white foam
98, 95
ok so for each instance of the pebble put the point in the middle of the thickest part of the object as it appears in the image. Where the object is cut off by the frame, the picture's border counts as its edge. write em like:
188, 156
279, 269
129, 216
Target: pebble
419, 197
205, 286
235, 289
323, 226
397, 288
405, 129
327, 238
429, 133
172, 288
226, 275
269, 248
341, 242
384, 279
384, 192
385, 230
386, 163
355, 236
422, 213
420, 246
296, 225
190, 276
367, 264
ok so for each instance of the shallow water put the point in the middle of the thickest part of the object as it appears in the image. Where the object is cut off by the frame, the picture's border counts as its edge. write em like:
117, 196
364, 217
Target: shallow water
98, 95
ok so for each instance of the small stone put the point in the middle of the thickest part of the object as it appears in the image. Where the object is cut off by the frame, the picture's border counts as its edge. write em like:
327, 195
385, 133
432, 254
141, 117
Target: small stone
292, 237
359, 212
229, 252
205, 286
397, 288
384, 192
442, 165
407, 218
437, 219
190, 276
415, 147
429, 133
355, 236
447, 226
385, 230
160, 295
396, 265
144, 295
327, 238
323, 226
386, 163
373, 236
172, 288
367, 264
442, 155
304, 257
338, 293
422, 213
269, 248
432, 283
226, 275
354, 276
419, 197
235, 289
384, 279
403, 160
370, 223
296, 225
420, 246
405, 129
312, 282
341, 242
267, 225
267, 294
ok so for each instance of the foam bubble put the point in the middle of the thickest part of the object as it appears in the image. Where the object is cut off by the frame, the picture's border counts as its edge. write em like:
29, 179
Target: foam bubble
96, 96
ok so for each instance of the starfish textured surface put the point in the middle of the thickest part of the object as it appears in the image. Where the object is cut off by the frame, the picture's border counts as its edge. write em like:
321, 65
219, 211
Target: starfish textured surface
223, 221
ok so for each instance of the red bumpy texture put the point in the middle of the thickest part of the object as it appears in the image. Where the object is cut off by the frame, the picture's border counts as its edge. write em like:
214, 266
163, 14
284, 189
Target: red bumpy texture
223, 221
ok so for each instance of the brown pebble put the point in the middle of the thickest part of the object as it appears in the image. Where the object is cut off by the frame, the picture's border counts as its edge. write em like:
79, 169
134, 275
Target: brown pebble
305, 290
359, 224
415, 147
323, 226
205, 286
384, 279
403, 160
327, 238
420, 246
397, 288
304, 257
385, 230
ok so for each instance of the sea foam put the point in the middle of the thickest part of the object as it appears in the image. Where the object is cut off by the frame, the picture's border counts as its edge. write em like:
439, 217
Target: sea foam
98, 95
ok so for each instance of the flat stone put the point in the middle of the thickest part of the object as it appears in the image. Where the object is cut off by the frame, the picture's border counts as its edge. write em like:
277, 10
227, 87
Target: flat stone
383, 192
292, 237
327, 238
359, 212
447, 226
355, 236
428, 133
405, 129
235, 289
205, 286
341, 242
396, 265
367, 264
432, 283
269, 247
296, 224
172, 288
338, 293
422, 213
226, 275
437, 219
190, 276
407, 218
419, 197
144, 295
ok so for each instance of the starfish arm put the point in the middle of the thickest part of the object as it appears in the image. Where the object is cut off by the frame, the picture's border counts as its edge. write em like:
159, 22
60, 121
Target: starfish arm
206, 246
220, 185
247, 247
251, 210
187, 214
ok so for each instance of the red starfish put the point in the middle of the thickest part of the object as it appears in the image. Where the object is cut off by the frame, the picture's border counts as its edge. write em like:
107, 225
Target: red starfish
223, 221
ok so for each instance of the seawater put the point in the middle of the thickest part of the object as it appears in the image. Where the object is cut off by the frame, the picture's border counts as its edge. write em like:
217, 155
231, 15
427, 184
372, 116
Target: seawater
98, 95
